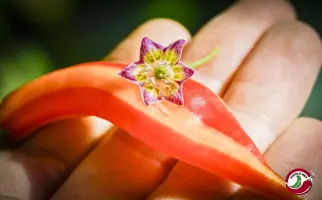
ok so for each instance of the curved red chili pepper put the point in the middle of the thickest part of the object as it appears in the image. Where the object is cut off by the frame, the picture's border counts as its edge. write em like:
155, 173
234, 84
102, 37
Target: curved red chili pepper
203, 132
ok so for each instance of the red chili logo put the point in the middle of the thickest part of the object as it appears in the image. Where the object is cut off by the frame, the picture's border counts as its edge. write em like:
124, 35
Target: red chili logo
299, 181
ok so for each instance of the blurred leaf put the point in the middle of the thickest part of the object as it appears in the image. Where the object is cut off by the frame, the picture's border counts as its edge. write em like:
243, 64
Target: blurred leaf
3, 22
21, 67
186, 12
313, 106
44, 10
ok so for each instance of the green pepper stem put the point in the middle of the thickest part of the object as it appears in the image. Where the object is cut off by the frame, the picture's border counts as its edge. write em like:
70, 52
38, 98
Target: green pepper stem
206, 59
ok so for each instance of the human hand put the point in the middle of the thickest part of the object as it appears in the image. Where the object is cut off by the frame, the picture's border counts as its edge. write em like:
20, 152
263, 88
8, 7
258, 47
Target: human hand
264, 72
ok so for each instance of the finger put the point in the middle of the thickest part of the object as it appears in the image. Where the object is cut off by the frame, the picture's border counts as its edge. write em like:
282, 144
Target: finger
163, 31
186, 182
298, 147
36, 169
122, 167
235, 32
275, 81
234, 45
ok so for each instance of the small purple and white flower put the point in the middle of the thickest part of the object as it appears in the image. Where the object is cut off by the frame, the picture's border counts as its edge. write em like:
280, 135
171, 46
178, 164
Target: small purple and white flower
159, 73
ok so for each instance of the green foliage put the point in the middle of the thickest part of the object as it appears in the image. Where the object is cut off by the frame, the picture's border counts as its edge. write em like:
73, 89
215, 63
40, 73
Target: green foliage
22, 66
313, 105
43, 10
184, 11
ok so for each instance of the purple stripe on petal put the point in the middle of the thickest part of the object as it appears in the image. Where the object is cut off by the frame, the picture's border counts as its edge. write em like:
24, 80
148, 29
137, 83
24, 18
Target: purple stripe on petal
188, 72
176, 98
148, 45
173, 51
149, 97
130, 72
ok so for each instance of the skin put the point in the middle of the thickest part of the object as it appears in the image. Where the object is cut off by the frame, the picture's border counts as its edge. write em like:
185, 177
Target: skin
265, 70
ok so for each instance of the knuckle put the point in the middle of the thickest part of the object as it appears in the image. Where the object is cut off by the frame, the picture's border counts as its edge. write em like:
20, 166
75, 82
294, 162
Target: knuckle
310, 42
300, 40
283, 8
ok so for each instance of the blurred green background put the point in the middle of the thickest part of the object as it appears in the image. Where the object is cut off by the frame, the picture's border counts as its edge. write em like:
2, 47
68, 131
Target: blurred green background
38, 36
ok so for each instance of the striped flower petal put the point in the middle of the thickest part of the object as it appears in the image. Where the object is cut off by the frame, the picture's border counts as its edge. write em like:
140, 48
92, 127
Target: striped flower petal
133, 73
150, 94
181, 72
172, 93
159, 72
172, 53
151, 52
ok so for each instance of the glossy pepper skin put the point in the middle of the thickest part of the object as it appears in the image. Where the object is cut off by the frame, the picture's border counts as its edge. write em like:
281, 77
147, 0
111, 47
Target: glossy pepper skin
202, 133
